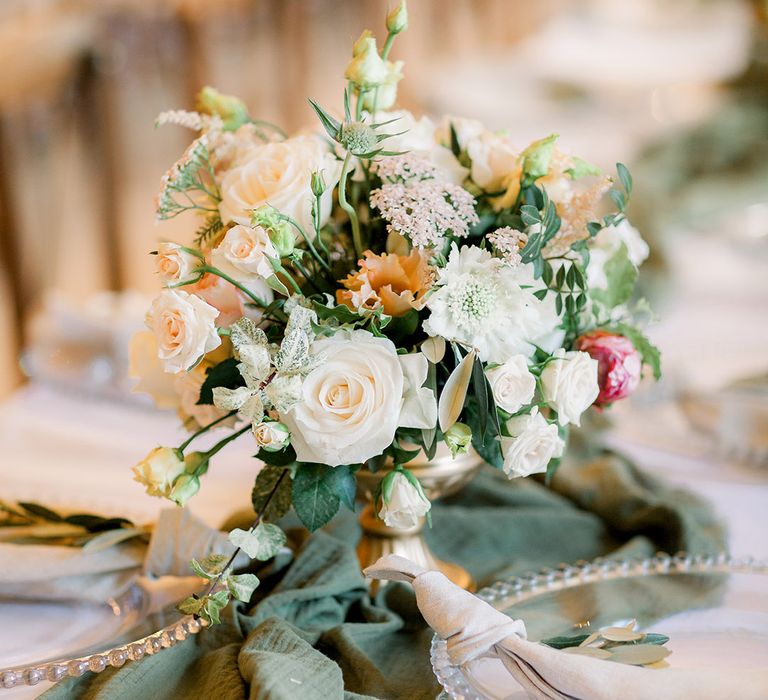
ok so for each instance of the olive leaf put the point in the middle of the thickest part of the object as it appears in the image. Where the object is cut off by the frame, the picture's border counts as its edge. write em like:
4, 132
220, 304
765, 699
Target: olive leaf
455, 392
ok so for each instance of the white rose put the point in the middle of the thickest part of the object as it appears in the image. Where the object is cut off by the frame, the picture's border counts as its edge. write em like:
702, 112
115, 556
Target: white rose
279, 174
419, 402
405, 503
512, 384
494, 159
184, 329
175, 265
569, 384
271, 436
606, 243
244, 253
533, 444
187, 386
158, 470
350, 403
146, 368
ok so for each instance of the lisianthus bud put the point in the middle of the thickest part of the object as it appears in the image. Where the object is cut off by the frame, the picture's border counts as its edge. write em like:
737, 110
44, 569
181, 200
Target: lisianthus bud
358, 138
402, 500
619, 364
360, 45
384, 96
185, 486
317, 183
397, 19
271, 436
232, 110
159, 470
536, 158
279, 230
458, 438
366, 69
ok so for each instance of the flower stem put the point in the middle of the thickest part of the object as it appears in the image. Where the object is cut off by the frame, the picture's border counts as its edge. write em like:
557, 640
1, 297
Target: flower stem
204, 429
309, 243
254, 525
215, 271
347, 207
316, 223
219, 445
306, 274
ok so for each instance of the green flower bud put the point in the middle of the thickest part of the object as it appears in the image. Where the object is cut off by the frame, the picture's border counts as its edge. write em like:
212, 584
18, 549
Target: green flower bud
185, 486
397, 19
536, 158
231, 109
358, 138
366, 69
458, 438
385, 95
283, 239
317, 183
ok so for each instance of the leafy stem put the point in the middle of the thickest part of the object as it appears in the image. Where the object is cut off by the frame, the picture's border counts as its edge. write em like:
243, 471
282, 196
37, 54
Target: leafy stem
347, 207
308, 241
204, 429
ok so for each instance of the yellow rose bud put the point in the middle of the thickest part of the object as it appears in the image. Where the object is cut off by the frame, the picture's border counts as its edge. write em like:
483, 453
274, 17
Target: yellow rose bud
397, 19
366, 69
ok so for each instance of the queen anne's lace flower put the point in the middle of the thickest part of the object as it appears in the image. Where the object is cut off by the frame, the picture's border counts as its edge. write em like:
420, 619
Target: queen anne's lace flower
404, 168
425, 211
508, 243
481, 302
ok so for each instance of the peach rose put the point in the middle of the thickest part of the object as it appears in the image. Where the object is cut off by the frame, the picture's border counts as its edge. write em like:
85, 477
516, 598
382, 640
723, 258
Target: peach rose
393, 282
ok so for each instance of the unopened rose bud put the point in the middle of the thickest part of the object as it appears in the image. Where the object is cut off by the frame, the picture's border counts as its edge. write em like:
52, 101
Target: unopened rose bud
397, 19
272, 436
232, 110
458, 438
185, 486
384, 96
402, 500
159, 470
317, 183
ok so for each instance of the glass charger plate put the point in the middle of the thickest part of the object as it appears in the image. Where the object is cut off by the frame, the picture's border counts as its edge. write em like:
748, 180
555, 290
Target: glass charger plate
48, 641
714, 609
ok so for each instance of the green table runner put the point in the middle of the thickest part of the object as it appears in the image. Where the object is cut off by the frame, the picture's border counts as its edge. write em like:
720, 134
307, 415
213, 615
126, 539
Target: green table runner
312, 632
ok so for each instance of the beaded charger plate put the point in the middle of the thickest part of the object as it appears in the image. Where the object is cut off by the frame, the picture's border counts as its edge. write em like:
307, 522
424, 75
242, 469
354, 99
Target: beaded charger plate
713, 608
49, 641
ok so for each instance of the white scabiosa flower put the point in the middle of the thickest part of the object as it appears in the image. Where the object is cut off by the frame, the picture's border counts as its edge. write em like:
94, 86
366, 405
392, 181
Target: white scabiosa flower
402, 500
569, 384
532, 445
480, 301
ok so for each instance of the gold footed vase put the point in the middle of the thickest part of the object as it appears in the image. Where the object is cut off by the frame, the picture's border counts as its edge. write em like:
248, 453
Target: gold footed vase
440, 477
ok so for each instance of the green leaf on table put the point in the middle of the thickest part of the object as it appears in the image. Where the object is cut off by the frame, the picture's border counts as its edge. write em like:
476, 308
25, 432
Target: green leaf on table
261, 542
242, 586
315, 494
42, 512
621, 274
225, 374
563, 642
280, 503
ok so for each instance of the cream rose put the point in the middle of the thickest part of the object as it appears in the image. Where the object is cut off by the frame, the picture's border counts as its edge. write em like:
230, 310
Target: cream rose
512, 383
402, 503
493, 160
532, 445
145, 367
175, 265
184, 329
271, 436
279, 174
158, 470
569, 384
350, 403
244, 253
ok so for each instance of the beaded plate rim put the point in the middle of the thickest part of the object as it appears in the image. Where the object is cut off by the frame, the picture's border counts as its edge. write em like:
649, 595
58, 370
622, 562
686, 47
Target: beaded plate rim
517, 589
115, 657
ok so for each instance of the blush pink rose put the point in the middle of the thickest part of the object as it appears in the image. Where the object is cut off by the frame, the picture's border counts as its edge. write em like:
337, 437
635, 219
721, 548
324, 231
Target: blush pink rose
619, 364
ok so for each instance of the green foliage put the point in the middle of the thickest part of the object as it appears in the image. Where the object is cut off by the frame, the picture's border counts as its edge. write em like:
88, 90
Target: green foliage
225, 374
261, 542
581, 168
211, 567
273, 505
209, 228
621, 274
319, 490
242, 586
488, 447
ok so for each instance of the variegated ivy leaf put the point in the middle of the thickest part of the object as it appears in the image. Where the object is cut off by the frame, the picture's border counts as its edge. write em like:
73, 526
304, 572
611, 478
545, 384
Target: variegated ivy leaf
284, 392
242, 586
210, 567
255, 362
244, 332
191, 605
293, 356
231, 399
262, 542
213, 605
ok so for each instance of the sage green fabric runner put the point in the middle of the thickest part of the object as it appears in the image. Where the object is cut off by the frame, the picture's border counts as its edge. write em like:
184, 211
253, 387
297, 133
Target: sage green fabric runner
312, 632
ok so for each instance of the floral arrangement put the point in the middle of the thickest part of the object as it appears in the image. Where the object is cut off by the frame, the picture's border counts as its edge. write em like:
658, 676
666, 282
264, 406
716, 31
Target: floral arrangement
375, 288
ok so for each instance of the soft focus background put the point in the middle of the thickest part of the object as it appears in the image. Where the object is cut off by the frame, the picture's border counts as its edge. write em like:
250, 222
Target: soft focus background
676, 89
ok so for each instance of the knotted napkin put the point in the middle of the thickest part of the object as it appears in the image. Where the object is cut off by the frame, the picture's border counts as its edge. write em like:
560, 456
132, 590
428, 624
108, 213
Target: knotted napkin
46, 572
473, 629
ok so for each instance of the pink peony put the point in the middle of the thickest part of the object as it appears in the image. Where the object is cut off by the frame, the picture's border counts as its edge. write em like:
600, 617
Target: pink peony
619, 364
